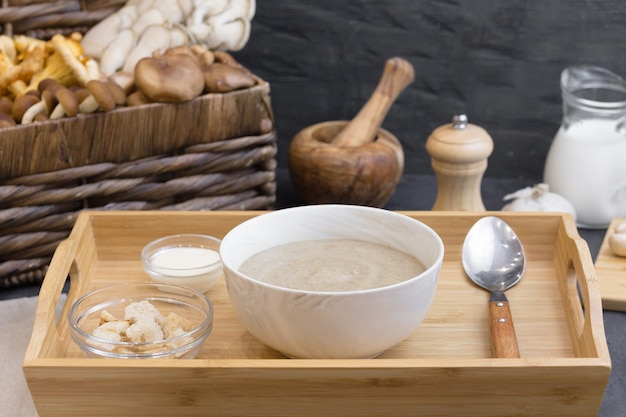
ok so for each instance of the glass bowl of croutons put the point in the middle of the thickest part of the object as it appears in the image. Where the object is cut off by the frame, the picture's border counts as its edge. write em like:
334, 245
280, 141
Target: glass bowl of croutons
141, 320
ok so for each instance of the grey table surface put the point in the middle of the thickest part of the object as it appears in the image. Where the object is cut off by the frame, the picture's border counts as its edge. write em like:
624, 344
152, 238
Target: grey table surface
418, 193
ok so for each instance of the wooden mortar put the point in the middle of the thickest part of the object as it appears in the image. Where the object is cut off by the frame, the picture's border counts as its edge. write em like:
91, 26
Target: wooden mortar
324, 173
353, 162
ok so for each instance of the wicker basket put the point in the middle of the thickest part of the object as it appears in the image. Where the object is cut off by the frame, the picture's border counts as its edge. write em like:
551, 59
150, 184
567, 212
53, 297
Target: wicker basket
216, 152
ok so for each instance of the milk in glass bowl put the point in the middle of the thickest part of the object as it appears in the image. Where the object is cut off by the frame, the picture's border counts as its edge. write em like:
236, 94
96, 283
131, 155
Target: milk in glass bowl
191, 260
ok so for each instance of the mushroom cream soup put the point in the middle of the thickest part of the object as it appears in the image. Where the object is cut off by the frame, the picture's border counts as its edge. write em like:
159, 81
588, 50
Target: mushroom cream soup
331, 265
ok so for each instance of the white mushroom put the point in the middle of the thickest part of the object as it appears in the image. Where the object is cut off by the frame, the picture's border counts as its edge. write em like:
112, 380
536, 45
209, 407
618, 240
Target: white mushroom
231, 27
180, 35
201, 32
157, 25
186, 6
147, 19
99, 36
129, 14
143, 5
171, 11
154, 38
115, 54
230, 36
203, 9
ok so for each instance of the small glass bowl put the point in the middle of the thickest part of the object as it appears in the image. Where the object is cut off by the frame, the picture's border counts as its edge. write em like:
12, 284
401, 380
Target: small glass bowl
191, 260
85, 315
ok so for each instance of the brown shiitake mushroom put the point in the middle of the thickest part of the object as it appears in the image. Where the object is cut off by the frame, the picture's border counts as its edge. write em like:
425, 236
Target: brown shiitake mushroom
222, 78
169, 78
202, 55
224, 57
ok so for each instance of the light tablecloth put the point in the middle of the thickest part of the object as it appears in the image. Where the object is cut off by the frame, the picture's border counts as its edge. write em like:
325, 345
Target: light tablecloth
16, 325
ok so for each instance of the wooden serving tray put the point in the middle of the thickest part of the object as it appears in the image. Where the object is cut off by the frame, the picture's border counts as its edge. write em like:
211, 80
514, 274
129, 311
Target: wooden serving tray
444, 369
611, 272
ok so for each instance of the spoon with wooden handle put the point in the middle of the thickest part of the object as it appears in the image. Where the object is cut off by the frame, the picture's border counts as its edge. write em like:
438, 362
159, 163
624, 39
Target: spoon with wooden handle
397, 75
493, 257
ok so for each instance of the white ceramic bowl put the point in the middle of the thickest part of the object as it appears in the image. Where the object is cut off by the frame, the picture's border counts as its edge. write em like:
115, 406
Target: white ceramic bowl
352, 324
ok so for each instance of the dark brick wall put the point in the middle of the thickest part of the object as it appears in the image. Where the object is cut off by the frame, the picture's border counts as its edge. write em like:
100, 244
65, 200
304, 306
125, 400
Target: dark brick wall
497, 61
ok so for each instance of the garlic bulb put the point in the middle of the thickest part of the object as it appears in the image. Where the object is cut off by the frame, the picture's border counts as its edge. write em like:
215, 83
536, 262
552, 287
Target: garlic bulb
538, 198
617, 239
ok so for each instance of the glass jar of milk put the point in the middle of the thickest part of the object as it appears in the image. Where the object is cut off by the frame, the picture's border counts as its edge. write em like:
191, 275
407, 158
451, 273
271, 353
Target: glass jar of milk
586, 162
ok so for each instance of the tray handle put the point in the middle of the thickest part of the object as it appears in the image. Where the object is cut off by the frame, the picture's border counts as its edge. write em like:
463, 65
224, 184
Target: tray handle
582, 298
46, 335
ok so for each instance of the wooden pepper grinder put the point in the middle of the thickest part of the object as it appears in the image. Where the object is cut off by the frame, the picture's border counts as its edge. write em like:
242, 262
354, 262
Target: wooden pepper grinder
459, 153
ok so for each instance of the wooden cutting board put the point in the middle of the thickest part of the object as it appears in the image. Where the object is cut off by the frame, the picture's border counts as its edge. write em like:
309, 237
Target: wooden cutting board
611, 273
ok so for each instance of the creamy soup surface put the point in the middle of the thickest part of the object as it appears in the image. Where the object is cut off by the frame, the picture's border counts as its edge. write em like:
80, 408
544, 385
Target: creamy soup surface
331, 265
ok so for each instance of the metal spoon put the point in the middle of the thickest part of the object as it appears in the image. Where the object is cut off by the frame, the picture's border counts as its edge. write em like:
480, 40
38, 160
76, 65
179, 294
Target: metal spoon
493, 257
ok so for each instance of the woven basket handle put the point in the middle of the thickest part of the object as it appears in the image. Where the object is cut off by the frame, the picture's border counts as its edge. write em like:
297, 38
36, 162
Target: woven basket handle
47, 331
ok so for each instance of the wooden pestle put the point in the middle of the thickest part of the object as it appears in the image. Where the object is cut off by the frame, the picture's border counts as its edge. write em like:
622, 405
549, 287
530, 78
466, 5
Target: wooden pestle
397, 75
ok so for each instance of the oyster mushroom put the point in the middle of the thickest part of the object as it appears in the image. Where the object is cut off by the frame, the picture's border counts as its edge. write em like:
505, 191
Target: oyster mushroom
99, 36
154, 38
71, 51
7, 47
114, 55
169, 78
149, 18
231, 27
31, 63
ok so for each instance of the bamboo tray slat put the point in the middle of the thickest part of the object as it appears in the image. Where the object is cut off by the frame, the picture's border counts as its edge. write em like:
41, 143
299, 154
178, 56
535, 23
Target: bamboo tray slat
444, 368
611, 272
